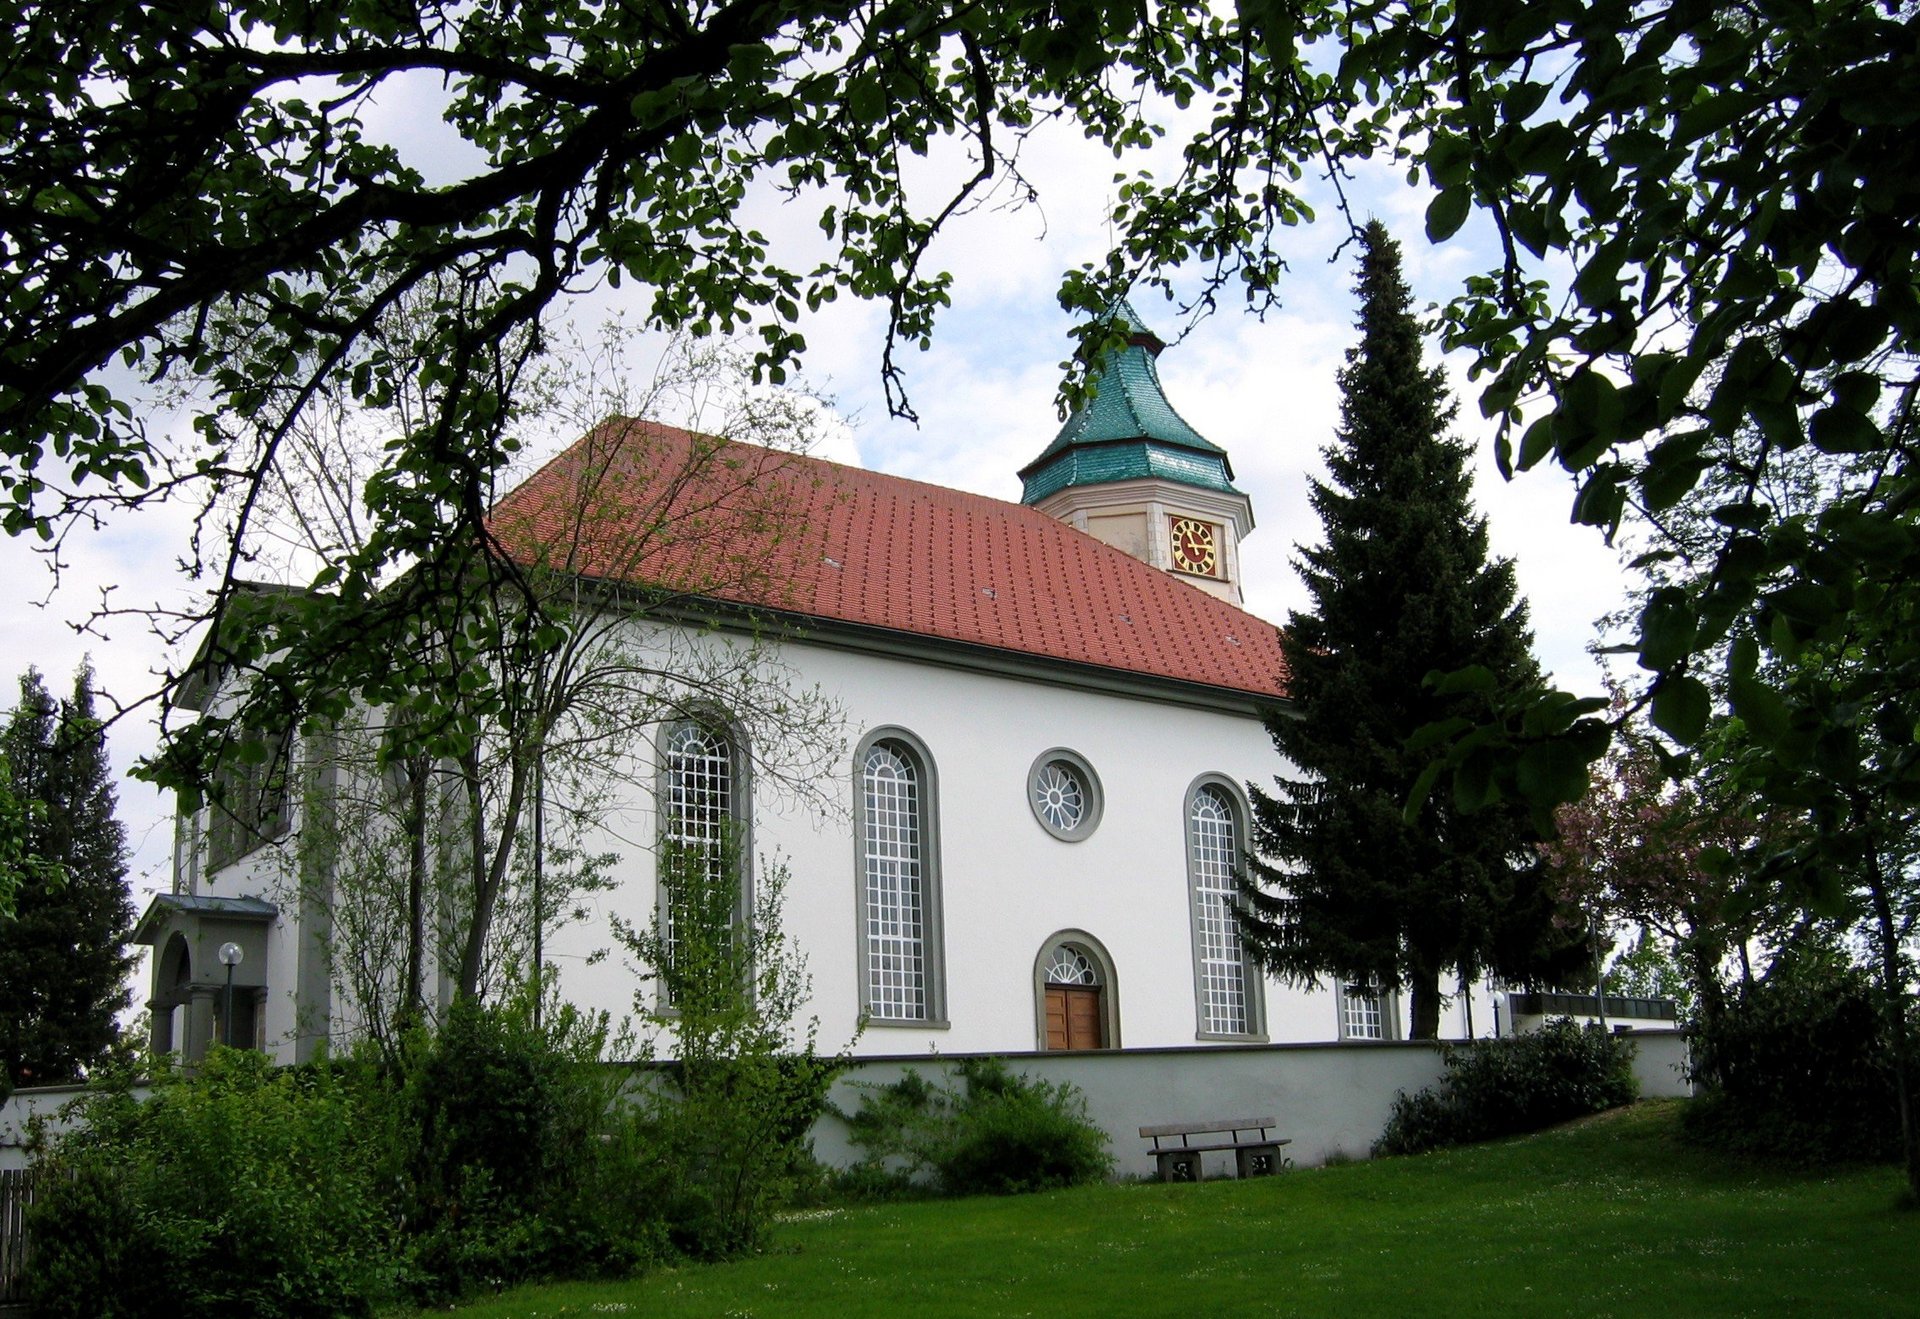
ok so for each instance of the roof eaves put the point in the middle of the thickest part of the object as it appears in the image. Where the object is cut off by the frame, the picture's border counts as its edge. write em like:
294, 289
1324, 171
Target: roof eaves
240, 909
972, 656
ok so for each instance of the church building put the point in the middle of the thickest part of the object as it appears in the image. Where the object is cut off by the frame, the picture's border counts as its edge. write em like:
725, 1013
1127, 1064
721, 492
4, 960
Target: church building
1026, 833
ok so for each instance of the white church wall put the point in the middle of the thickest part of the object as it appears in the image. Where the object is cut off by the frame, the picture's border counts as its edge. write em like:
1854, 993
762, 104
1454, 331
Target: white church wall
1006, 885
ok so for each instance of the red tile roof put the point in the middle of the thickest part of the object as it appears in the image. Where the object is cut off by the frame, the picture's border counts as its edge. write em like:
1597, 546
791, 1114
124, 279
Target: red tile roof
661, 509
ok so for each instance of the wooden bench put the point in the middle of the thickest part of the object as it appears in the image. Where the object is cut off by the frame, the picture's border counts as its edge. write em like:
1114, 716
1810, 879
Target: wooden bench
1254, 1155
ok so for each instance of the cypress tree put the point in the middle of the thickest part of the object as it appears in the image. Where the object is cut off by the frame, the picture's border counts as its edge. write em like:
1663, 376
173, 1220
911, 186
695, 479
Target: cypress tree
64, 956
1401, 586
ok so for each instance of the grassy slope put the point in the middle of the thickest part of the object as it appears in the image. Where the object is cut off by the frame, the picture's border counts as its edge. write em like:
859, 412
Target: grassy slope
1607, 1217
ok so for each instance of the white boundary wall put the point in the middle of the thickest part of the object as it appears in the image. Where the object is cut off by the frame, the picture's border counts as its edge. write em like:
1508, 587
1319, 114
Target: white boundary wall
1331, 1099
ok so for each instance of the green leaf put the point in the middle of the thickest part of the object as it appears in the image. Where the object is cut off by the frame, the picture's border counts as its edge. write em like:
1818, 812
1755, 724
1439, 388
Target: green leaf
1537, 443
1681, 706
1473, 785
1598, 283
1813, 604
683, 151
1602, 499
1677, 382
1839, 429
1543, 150
1447, 212
1673, 469
1858, 390
1587, 420
1433, 734
1743, 516
1475, 678
866, 99
1760, 707
1529, 225
1668, 626
1873, 536
1421, 790
1553, 773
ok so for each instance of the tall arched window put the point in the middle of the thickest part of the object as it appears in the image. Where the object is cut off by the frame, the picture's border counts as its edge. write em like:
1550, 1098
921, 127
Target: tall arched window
899, 908
1228, 993
702, 823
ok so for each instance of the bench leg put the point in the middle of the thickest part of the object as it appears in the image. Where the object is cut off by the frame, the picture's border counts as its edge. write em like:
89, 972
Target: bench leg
1257, 1160
1178, 1165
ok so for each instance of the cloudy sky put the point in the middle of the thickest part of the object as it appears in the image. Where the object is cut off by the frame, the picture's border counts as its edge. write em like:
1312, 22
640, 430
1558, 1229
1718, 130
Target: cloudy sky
985, 392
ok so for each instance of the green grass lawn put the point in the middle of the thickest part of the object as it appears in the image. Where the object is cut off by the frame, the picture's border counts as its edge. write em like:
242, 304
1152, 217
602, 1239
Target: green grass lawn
1607, 1217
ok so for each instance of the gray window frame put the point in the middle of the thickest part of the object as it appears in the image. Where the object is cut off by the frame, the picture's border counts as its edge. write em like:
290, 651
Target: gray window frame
1109, 984
1255, 982
911, 748
1089, 782
739, 812
1389, 1015
254, 806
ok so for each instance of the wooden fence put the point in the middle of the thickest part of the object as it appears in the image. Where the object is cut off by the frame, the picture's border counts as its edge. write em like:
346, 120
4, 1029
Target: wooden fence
16, 1193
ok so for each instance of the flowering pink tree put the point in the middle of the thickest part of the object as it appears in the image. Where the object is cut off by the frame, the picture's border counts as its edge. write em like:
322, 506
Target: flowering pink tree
1644, 848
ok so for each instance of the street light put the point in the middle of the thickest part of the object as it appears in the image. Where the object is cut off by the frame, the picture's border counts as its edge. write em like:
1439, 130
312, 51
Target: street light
230, 957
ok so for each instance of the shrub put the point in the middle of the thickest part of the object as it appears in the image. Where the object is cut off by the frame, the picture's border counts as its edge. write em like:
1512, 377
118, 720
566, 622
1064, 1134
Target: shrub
1798, 1066
240, 1191
1503, 1087
492, 1153
731, 1120
95, 1253
517, 1155
999, 1133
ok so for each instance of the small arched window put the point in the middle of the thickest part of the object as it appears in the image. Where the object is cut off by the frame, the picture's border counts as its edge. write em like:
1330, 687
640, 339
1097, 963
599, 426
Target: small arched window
1067, 965
899, 895
1227, 988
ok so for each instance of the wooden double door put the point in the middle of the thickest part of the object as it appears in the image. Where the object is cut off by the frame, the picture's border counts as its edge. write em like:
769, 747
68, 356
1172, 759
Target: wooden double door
1075, 1017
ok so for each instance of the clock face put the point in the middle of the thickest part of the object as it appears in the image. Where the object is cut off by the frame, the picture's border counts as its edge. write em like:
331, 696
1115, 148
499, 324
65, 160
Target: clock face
1195, 547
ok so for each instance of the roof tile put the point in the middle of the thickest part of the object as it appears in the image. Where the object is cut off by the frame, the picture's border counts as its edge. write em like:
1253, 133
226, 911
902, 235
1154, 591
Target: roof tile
664, 510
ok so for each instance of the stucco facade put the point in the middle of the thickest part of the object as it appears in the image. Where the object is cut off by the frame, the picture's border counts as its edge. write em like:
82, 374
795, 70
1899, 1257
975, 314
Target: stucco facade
1001, 889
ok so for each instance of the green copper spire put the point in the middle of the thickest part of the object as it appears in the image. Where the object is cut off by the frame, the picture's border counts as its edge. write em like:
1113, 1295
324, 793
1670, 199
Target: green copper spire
1127, 429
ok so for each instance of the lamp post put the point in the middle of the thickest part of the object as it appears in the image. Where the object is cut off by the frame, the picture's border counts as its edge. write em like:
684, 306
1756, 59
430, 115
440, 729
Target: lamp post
230, 957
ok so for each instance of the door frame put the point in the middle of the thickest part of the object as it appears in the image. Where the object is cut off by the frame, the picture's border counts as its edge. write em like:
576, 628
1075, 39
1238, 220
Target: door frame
1096, 952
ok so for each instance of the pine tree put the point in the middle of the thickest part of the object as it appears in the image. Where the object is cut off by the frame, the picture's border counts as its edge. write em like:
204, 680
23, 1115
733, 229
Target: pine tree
1401, 587
64, 956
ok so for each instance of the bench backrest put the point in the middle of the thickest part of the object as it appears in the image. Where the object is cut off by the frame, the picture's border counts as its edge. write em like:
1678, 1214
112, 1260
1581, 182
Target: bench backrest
1215, 1124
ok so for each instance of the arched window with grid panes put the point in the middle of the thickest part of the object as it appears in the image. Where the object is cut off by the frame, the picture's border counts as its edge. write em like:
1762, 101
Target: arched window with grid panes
896, 836
1226, 986
702, 818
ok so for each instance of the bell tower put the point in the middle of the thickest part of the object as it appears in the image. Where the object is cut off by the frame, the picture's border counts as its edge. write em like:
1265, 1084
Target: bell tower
1127, 469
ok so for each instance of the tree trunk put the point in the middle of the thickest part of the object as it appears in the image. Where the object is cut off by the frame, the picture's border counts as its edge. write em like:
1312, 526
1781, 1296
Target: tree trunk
413, 1001
1423, 1005
489, 871
1893, 989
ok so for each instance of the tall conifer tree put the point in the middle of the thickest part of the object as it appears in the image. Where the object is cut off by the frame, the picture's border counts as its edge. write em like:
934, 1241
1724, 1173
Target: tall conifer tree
1402, 585
64, 957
